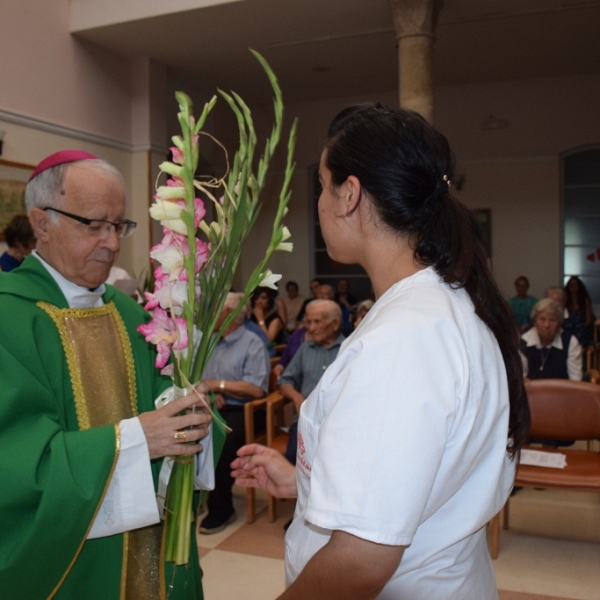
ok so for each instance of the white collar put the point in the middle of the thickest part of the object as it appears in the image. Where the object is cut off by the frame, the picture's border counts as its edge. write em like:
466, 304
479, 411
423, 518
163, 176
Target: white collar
76, 295
533, 339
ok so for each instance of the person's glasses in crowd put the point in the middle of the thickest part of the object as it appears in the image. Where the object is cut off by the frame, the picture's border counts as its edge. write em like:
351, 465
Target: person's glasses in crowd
100, 227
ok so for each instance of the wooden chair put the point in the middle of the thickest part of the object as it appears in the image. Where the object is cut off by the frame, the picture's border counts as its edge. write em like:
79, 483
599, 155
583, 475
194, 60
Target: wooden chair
276, 437
272, 436
560, 410
252, 437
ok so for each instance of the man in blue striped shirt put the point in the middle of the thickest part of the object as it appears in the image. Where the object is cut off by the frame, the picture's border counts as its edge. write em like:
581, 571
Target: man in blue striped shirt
323, 321
237, 372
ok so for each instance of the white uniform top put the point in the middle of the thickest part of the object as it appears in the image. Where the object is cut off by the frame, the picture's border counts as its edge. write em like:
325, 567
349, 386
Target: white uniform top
403, 442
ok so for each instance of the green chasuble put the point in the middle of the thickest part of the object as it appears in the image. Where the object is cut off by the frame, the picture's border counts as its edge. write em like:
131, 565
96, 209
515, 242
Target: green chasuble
59, 445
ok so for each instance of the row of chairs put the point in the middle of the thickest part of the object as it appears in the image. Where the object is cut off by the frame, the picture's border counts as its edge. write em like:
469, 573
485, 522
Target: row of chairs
560, 410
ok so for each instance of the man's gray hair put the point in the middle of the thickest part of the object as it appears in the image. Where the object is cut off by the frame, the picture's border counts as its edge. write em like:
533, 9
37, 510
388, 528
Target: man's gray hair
556, 290
548, 305
329, 289
332, 309
44, 190
232, 302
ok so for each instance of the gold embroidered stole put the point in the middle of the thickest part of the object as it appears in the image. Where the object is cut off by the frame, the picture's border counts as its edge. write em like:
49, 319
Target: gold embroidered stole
102, 371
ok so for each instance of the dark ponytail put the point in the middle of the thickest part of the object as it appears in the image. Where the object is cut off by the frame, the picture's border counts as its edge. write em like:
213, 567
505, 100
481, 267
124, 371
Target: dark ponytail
406, 166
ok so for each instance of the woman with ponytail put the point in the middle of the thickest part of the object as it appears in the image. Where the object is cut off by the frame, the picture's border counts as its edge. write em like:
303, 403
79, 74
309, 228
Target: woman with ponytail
409, 443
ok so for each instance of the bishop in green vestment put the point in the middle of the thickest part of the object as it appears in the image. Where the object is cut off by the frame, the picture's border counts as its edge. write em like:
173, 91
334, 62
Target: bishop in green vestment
80, 442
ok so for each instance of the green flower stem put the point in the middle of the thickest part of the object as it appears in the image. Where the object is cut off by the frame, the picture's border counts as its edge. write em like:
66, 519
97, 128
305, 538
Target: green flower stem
226, 235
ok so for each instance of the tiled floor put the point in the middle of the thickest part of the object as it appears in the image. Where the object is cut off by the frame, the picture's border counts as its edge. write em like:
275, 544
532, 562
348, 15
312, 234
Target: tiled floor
550, 552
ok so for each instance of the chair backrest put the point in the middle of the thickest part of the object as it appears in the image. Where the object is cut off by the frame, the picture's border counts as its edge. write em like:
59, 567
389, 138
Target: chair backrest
564, 410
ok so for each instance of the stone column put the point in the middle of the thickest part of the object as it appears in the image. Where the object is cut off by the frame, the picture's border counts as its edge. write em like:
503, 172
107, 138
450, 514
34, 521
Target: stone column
415, 21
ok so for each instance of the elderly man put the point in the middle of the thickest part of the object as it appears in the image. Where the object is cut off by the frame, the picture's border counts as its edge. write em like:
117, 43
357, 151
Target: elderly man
80, 441
237, 372
323, 322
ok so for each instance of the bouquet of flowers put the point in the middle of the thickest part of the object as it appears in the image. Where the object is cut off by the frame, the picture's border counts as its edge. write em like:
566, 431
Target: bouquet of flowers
197, 261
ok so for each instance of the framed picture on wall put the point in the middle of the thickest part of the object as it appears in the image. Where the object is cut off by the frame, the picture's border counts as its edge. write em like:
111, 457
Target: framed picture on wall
13, 180
483, 216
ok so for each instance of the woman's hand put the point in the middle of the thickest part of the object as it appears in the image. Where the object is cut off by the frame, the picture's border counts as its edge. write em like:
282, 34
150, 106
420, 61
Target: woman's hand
259, 313
259, 466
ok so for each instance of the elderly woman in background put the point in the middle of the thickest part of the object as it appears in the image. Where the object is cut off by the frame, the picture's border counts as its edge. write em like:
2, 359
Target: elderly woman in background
20, 240
551, 352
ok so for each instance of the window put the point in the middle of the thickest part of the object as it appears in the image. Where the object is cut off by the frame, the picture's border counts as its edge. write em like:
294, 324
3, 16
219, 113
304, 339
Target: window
581, 218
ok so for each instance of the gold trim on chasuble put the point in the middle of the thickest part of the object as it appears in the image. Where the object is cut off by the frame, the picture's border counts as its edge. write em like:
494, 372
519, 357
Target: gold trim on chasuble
102, 371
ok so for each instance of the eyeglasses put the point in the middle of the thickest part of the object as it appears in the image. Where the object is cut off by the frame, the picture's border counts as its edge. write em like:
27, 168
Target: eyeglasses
100, 227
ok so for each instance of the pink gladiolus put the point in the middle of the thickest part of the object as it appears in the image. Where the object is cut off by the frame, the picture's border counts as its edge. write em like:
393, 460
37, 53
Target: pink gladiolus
166, 334
177, 155
170, 254
168, 371
159, 277
199, 212
201, 254
175, 181
170, 296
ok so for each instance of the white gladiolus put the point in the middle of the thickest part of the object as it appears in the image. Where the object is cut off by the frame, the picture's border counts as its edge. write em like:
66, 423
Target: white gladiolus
172, 296
168, 213
270, 279
285, 246
171, 259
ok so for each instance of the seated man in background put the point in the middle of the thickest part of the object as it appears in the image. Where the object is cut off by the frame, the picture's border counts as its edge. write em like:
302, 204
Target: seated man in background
323, 322
325, 292
314, 285
237, 372
571, 323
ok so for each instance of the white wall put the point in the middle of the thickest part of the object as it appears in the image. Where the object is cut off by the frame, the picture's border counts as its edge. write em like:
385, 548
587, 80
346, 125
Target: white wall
513, 171
60, 93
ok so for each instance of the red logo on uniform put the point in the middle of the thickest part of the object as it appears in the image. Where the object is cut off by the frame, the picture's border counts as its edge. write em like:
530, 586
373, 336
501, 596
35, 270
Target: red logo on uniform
301, 447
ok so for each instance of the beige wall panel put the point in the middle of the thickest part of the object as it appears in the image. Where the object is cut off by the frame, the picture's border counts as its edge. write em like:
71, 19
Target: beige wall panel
523, 196
47, 74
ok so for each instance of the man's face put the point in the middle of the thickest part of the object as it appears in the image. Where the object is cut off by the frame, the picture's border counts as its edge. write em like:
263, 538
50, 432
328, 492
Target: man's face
557, 296
314, 288
322, 330
325, 292
66, 244
292, 291
521, 287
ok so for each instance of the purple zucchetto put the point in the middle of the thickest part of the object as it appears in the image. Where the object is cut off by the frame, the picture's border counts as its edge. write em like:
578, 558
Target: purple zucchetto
60, 158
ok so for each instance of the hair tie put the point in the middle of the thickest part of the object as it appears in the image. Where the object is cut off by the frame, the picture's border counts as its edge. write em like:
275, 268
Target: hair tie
440, 190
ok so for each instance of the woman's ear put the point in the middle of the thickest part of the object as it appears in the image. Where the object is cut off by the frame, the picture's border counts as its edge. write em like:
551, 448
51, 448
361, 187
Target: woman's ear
351, 194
